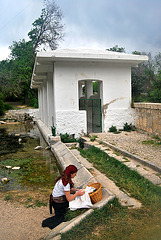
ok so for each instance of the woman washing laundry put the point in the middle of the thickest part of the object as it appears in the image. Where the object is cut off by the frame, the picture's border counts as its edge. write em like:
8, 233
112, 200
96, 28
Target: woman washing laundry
61, 196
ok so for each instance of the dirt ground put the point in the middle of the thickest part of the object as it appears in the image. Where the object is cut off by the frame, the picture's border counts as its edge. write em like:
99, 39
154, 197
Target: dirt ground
18, 222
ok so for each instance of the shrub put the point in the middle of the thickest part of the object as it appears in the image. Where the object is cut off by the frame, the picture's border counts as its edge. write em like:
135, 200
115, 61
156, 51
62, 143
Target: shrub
155, 93
7, 106
66, 138
92, 138
113, 129
2, 105
128, 127
33, 102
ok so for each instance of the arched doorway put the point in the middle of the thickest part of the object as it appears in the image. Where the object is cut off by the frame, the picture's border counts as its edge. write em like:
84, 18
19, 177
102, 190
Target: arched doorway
90, 99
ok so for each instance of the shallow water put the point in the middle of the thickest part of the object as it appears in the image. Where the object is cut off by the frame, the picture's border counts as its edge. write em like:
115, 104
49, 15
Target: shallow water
38, 168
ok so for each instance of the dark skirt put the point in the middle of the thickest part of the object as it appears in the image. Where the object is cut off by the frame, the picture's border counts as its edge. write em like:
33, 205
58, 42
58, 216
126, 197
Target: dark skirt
60, 210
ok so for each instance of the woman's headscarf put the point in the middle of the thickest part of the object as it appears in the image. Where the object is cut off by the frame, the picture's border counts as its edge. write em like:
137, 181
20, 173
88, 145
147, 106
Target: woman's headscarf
70, 170
67, 175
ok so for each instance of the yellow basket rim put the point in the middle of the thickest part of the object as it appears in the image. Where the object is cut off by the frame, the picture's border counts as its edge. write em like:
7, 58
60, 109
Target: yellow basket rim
98, 189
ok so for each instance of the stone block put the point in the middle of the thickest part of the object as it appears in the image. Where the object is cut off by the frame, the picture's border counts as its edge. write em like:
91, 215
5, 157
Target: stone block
83, 177
70, 159
53, 139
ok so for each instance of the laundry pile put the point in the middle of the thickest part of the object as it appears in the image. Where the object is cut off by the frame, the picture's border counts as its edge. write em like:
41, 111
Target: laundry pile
82, 201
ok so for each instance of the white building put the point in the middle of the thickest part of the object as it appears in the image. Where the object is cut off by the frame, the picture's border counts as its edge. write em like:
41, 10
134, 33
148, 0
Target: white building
64, 79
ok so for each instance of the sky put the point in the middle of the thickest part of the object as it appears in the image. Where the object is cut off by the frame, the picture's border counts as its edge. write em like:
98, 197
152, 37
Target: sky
94, 24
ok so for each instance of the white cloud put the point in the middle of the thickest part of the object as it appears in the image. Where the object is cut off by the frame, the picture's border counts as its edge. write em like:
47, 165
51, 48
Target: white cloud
4, 52
16, 18
132, 24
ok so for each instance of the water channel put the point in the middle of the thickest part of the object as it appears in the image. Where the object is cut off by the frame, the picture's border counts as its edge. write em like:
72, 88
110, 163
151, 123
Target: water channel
23, 166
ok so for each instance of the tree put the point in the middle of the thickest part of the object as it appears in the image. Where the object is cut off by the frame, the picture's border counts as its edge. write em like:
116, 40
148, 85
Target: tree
157, 62
16, 72
47, 29
2, 105
116, 48
155, 93
142, 77
23, 61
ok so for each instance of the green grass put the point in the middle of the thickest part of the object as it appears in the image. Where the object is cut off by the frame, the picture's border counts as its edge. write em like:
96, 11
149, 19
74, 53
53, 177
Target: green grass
72, 214
132, 181
32, 172
155, 141
126, 159
8, 197
92, 138
113, 221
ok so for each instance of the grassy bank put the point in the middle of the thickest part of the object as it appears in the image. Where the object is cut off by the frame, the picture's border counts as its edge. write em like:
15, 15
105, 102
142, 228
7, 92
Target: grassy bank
113, 221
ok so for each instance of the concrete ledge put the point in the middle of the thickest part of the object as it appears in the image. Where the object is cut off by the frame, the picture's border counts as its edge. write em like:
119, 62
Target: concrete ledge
105, 199
148, 105
65, 157
45, 131
53, 139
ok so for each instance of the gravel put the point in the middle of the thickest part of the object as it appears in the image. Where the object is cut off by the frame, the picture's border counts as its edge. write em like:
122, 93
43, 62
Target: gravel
133, 143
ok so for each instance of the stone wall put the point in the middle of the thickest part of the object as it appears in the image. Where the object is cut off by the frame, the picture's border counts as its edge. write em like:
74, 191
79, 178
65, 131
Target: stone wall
149, 117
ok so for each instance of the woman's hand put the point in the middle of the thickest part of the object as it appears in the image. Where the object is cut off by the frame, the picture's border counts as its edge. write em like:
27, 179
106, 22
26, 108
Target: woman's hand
70, 197
80, 192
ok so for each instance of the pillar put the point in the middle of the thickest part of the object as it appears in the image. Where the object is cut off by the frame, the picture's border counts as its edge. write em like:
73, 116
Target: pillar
88, 88
50, 108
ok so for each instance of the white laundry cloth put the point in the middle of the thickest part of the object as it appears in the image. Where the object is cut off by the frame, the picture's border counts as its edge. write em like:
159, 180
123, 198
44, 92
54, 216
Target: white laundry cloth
82, 201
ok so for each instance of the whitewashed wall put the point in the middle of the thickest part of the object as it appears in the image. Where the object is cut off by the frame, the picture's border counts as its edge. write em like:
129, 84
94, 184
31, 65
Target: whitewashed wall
118, 117
116, 94
71, 122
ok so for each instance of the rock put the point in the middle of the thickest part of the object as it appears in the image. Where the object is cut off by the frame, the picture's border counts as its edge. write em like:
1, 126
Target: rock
38, 147
8, 167
5, 180
16, 168
47, 148
17, 134
2, 122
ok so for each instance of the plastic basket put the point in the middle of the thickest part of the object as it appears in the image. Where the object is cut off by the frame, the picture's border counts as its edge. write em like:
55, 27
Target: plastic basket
97, 195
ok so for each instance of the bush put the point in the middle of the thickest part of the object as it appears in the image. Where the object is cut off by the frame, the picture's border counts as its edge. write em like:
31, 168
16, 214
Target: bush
2, 105
7, 106
33, 102
155, 93
66, 138
113, 129
128, 127
92, 138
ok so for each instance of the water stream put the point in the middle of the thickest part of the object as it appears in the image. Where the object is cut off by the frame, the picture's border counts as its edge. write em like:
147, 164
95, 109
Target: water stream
34, 168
